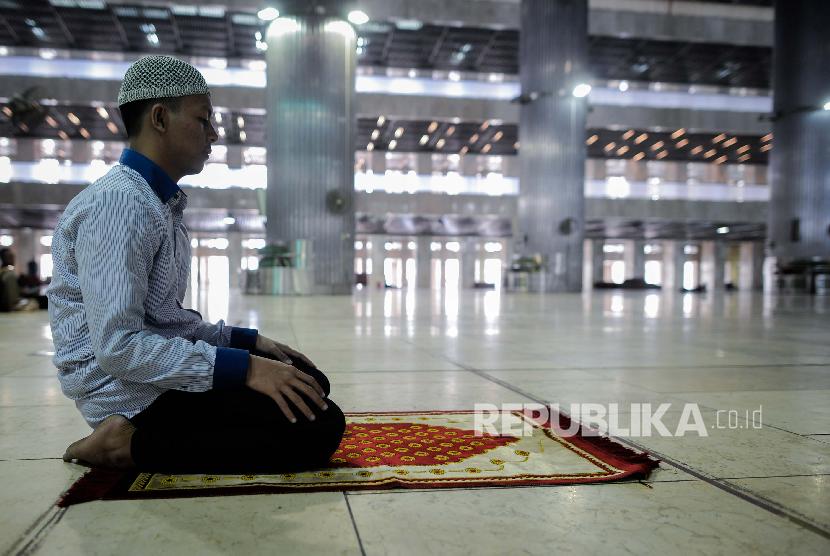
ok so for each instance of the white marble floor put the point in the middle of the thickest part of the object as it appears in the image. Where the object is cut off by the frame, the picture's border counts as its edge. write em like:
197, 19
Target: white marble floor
736, 490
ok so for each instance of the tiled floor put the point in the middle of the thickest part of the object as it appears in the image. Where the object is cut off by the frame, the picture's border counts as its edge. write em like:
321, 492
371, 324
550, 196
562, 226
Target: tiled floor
739, 490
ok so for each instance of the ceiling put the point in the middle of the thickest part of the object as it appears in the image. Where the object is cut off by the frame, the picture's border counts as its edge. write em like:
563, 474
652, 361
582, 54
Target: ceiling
213, 32
489, 138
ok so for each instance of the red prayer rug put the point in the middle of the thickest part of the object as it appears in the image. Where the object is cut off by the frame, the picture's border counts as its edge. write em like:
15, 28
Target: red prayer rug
439, 449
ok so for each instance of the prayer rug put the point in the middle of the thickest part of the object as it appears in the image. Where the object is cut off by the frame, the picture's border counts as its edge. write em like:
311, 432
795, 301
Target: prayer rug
439, 449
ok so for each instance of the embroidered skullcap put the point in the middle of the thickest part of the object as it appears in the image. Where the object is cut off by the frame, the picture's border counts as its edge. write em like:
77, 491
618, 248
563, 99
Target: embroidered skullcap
161, 77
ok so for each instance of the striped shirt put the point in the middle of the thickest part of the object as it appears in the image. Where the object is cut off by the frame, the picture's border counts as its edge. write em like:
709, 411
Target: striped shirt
121, 258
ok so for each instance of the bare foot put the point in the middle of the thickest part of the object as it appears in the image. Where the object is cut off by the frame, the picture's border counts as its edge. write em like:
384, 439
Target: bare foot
107, 446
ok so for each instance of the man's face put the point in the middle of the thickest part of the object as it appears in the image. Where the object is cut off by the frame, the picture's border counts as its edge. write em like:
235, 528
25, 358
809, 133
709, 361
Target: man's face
191, 133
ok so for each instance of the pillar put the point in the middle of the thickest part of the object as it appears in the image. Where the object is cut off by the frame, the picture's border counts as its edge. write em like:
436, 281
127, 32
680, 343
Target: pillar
310, 138
378, 254
234, 157
597, 259
635, 259
553, 60
467, 260
750, 275
673, 259
423, 263
235, 259
712, 259
423, 164
799, 208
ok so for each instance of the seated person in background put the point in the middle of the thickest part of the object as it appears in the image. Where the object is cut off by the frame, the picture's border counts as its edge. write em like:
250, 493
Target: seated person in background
164, 390
30, 284
10, 299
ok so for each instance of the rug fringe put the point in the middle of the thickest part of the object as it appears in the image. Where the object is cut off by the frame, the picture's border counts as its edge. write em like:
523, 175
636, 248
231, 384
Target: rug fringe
94, 485
608, 446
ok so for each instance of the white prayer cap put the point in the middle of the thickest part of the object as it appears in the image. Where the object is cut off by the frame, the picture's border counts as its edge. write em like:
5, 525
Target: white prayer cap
161, 77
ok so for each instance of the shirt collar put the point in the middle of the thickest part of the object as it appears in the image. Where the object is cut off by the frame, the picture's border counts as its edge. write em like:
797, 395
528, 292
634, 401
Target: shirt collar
158, 179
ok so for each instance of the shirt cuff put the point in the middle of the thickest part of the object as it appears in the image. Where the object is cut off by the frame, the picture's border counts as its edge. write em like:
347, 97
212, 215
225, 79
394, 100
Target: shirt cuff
230, 369
243, 338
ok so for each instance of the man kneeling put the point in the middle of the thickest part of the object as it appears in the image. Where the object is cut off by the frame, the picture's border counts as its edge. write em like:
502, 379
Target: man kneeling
164, 390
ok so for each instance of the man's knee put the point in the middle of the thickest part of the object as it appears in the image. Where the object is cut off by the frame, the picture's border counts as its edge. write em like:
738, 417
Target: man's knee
332, 426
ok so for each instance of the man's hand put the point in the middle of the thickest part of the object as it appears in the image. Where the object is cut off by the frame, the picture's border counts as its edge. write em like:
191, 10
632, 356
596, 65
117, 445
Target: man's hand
284, 383
281, 351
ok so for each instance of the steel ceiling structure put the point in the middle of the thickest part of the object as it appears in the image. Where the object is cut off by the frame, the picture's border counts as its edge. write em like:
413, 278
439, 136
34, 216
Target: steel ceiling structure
212, 31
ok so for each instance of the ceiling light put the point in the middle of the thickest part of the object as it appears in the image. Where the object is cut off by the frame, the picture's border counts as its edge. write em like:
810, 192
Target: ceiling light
710, 153
51, 121
767, 137
370, 147
454, 76
474, 138
63, 135
730, 142
358, 17
464, 149
229, 221
392, 145
678, 133
657, 146
485, 125
440, 144
721, 159
582, 90
486, 148
450, 130
592, 139
697, 150
243, 136
240, 122
622, 150
498, 136
623, 86
153, 39
398, 133
424, 139
73, 118
610, 147
375, 134
827, 105
408, 24
628, 134
744, 158
112, 127
218, 117
432, 127
662, 154
221, 131
639, 156
723, 230
743, 149
381, 121
765, 148
640, 138
682, 143
103, 112
84, 133
516, 145
719, 138
268, 14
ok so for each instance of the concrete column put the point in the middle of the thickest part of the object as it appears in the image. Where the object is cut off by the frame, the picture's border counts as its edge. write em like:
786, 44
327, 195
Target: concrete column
510, 166
423, 164
378, 254
597, 260
712, 259
235, 259
553, 60
81, 152
750, 276
377, 162
423, 263
673, 260
467, 261
469, 165
24, 247
635, 259
234, 156
310, 118
799, 208
26, 150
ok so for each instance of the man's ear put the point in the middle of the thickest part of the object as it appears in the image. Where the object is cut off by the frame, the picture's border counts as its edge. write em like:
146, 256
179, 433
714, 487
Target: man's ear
159, 117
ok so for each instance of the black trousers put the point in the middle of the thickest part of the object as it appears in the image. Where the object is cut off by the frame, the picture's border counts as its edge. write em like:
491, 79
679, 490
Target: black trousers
234, 431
